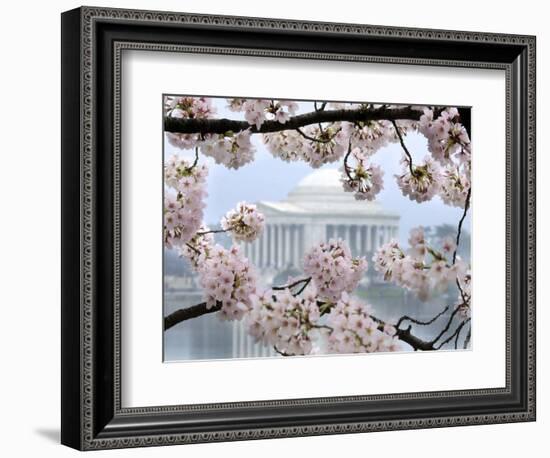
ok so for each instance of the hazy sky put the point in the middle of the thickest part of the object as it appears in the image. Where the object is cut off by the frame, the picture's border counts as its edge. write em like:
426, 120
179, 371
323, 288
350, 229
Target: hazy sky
269, 178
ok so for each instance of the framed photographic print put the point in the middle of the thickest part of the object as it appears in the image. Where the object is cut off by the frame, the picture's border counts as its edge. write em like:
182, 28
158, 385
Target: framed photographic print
276, 228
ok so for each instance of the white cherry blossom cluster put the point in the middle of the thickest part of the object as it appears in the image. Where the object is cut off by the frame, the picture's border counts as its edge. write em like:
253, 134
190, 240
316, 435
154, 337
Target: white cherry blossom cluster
187, 108
230, 149
363, 179
333, 269
411, 270
311, 144
227, 278
286, 145
455, 185
257, 111
330, 145
354, 330
420, 182
369, 136
284, 321
245, 222
183, 201
198, 248
447, 138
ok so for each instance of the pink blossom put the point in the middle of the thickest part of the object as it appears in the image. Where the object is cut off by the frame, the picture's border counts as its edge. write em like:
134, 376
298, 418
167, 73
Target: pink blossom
184, 200
365, 180
333, 269
355, 331
228, 279
229, 149
245, 222
279, 319
424, 181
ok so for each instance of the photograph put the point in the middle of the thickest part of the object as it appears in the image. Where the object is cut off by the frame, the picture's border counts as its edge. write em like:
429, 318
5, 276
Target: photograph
314, 227
274, 225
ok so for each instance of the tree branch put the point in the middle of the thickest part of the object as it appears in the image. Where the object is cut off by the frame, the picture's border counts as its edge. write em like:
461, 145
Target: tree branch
187, 313
200, 309
406, 336
223, 125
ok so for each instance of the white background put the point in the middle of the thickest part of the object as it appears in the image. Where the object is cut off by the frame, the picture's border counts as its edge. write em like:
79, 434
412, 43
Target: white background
30, 244
146, 76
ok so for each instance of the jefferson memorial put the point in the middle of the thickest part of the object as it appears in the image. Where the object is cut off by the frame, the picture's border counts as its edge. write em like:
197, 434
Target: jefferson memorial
316, 210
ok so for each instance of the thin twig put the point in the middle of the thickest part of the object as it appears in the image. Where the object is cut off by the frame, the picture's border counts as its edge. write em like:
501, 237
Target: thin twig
452, 336
409, 157
215, 231
422, 323
195, 162
459, 231
347, 168
282, 353
313, 139
468, 337
292, 285
191, 247
446, 328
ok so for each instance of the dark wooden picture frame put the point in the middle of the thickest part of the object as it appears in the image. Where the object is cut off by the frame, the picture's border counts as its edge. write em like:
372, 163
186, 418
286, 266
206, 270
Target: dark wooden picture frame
92, 42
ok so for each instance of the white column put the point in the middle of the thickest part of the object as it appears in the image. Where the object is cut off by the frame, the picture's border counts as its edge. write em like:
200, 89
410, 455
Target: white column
269, 258
288, 251
280, 246
374, 236
357, 240
296, 245
264, 247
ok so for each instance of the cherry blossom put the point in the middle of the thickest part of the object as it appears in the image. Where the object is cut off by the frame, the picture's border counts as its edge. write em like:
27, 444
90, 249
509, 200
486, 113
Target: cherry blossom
286, 145
257, 111
284, 321
183, 201
333, 269
454, 186
446, 136
187, 108
245, 222
230, 149
369, 136
329, 145
363, 179
412, 270
227, 278
419, 182
355, 331
199, 246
